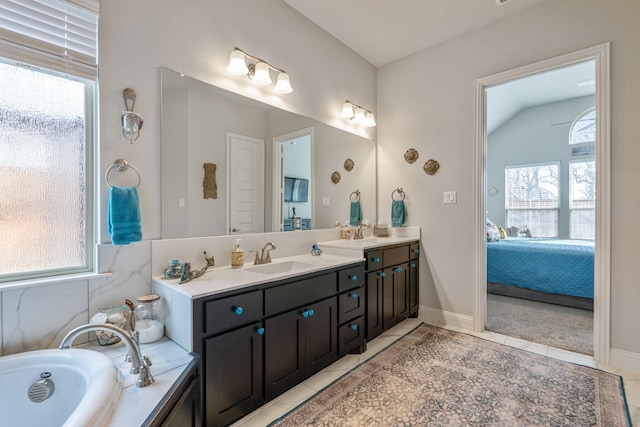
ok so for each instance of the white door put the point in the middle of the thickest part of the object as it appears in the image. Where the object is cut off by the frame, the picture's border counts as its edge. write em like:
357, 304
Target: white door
245, 184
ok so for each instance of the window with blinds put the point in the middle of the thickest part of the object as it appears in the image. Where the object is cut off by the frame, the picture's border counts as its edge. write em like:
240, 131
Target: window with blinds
48, 65
532, 198
582, 202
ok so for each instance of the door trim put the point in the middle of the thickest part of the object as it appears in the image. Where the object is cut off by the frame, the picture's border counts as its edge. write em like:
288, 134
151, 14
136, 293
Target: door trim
602, 259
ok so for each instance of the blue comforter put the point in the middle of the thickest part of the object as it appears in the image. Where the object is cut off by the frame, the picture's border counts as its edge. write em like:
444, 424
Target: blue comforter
554, 266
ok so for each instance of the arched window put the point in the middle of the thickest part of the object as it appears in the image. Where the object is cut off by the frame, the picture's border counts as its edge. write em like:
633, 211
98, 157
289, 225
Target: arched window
583, 129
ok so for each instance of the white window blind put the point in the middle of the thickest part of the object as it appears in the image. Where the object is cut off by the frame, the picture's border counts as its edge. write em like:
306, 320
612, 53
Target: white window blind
51, 33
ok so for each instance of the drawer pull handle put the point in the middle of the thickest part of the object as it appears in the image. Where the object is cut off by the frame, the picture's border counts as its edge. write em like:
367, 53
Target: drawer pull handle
381, 274
311, 312
413, 265
237, 310
416, 251
354, 327
260, 330
376, 260
353, 278
399, 270
354, 295
305, 313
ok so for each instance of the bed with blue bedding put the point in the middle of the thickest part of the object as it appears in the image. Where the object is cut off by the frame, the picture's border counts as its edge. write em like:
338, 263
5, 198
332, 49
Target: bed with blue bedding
548, 270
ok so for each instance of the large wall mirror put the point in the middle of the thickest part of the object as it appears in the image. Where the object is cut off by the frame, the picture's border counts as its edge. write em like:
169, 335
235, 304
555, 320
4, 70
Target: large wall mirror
233, 165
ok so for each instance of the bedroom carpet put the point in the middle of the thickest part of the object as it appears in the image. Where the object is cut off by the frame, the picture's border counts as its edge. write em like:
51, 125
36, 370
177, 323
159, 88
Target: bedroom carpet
438, 377
554, 325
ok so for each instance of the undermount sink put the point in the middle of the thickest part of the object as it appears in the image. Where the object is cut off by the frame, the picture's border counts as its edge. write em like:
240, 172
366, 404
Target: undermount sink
277, 268
71, 388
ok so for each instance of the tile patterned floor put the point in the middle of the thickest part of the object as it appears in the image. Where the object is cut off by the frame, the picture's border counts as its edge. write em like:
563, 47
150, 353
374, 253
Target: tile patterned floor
289, 400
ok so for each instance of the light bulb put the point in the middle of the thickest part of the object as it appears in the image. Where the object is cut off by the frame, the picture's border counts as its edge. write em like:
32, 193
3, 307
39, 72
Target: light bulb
359, 117
283, 85
237, 66
261, 74
369, 120
347, 110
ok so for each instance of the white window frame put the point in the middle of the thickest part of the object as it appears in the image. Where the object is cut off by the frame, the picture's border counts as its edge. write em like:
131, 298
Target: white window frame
59, 37
508, 208
570, 201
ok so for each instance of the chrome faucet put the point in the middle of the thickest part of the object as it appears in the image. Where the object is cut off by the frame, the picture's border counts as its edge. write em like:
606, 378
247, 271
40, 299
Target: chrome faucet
262, 259
358, 233
139, 364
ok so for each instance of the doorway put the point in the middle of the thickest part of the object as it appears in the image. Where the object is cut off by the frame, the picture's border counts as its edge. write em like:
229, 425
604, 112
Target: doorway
293, 181
600, 57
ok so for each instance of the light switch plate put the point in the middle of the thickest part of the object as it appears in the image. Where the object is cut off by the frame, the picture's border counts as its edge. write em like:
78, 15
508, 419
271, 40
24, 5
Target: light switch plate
325, 201
449, 197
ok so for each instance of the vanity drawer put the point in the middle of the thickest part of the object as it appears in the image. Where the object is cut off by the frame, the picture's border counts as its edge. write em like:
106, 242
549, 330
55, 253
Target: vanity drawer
350, 336
394, 256
414, 250
227, 313
374, 260
350, 278
296, 294
351, 304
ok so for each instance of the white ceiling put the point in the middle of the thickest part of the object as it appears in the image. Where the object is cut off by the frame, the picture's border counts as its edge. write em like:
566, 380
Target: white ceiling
383, 31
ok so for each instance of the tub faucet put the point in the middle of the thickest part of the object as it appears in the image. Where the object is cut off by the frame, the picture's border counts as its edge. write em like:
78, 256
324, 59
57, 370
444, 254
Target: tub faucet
139, 364
262, 259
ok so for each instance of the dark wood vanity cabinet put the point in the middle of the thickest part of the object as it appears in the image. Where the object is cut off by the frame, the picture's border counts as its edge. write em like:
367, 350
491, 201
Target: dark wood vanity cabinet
392, 288
258, 342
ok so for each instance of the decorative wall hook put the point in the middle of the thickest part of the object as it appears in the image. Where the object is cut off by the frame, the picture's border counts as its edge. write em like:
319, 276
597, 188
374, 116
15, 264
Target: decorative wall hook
131, 122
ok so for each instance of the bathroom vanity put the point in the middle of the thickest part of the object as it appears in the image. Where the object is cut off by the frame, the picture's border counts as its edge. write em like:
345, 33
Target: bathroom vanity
263, 329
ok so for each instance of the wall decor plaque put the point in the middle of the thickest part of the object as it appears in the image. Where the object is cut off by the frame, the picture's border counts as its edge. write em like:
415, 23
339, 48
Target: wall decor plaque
348, 165
431, 166
411, 155
335, 177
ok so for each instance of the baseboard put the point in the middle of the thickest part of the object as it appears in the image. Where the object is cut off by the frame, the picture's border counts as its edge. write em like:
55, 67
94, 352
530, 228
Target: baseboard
445, 319
625, 360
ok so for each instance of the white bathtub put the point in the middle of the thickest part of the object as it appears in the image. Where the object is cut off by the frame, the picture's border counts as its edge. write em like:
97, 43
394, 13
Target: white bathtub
86, 388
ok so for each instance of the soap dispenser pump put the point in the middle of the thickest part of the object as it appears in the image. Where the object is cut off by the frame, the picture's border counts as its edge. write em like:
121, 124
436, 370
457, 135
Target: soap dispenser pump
237, 256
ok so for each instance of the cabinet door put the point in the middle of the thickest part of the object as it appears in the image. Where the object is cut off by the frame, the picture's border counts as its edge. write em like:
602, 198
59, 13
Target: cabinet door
321, 335
284, 352
233, 375
414, 288
395, 295
374, 304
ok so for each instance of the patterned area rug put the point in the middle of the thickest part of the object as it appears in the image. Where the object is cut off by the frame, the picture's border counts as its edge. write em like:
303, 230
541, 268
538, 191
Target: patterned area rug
435, 377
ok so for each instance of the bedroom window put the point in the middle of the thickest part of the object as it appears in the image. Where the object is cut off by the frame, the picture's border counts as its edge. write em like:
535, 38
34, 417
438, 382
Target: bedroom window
532, 198
583, 130
582, 202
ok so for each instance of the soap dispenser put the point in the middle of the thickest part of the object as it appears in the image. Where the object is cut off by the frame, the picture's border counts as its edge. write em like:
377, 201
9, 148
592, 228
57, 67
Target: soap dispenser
237, 256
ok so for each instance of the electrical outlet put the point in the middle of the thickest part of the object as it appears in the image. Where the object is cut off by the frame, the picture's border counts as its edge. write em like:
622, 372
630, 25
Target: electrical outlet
181, 203
449, 197
326, 202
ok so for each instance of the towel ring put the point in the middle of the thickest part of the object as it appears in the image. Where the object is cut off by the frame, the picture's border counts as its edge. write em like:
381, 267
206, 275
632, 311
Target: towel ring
357, 194
121, 165
400, 191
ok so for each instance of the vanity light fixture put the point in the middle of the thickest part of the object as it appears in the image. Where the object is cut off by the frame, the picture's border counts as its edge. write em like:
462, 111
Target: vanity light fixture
258, 72
131, 122
358, 114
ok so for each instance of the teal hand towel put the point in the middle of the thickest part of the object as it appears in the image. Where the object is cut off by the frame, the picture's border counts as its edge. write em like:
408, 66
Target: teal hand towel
397, 213
123, 216
356, 213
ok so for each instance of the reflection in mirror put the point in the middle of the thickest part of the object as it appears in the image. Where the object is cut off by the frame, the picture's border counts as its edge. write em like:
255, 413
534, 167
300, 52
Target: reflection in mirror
200, 126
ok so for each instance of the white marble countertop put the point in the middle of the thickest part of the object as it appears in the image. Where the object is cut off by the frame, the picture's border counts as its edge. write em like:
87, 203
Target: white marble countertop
223, 279
135, 404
